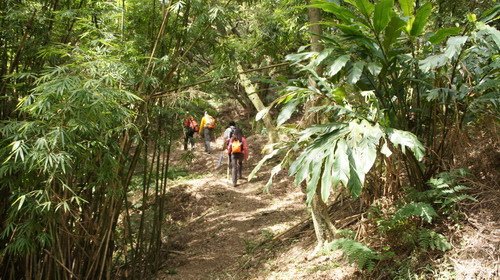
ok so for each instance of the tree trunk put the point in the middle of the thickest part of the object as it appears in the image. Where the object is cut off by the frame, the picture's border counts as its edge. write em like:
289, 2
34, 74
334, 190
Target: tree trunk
323, 226
251, 91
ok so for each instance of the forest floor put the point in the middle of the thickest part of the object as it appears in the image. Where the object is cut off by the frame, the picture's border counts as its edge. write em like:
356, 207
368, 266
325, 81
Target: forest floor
218, 231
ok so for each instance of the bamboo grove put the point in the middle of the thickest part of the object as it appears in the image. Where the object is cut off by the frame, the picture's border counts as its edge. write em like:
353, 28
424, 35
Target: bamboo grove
92, 93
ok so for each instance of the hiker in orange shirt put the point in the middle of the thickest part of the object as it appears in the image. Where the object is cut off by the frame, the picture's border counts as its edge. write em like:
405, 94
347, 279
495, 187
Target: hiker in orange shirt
237, 149
207, 126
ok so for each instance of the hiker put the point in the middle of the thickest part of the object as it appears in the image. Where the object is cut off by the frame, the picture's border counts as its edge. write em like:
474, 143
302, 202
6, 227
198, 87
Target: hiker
207, 126
230, 129
190, 128
237, 149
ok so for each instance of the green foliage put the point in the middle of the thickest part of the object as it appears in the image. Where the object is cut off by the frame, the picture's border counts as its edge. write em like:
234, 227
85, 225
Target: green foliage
403, 227
356, 252
419, 209
385, 72
66, 145
429, 239
346, 152
175, 173
445, 192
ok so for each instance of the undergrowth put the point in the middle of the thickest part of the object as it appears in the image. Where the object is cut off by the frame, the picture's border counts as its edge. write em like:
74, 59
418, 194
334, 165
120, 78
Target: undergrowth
410, 232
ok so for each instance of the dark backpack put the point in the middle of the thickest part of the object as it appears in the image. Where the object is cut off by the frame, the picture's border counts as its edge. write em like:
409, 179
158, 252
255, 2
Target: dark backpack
236, 131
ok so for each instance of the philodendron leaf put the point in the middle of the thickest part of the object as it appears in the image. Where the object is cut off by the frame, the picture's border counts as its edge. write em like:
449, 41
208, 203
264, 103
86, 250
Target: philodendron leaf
274, 172
261, 114
421, 18
355, 72
261, 162
374, 68
341, 168
364, 6
385, 150
432, 62
327, 178
340, 12
355, 183
337, 65
407, 139
287, 112
441, 34
382, 15
393, 31
407, 7
454, 45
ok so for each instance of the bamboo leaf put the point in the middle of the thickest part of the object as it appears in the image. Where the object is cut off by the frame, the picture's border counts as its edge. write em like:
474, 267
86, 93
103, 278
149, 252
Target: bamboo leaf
20, 201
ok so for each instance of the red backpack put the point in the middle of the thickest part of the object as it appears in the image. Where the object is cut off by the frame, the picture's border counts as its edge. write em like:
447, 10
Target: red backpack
194, 126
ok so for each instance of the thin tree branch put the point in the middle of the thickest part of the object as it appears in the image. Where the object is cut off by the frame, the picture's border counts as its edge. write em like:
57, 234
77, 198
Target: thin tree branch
164, 93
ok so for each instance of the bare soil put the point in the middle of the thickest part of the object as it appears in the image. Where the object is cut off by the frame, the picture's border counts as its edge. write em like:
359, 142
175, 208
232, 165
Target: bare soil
220, 223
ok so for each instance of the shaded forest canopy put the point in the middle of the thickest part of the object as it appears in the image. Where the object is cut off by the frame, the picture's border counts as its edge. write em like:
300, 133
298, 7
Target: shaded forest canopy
391, 105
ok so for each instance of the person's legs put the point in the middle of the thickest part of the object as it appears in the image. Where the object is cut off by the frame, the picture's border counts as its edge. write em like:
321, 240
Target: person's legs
186, 139
191, 140
206, 134
234, 173
240, 165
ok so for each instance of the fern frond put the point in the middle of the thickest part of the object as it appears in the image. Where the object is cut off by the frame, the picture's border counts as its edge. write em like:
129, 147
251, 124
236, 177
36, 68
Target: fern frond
414, 209
355, 252
430, 239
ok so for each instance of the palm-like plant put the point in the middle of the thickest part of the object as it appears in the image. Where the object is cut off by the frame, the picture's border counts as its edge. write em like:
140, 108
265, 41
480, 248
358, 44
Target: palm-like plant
389, 85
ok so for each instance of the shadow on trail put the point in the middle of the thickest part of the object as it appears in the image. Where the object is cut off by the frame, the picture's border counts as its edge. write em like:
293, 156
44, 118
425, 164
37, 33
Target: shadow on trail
232, 219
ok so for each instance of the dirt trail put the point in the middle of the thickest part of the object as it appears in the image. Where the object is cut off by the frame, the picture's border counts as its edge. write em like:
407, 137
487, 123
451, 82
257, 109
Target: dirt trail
219, 223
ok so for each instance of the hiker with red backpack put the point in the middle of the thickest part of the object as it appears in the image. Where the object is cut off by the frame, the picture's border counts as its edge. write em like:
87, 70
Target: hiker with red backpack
190, 128
207, 125
237, 150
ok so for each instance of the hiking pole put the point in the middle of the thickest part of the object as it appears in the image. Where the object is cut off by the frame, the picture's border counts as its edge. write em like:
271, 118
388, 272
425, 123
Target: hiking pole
219, 162
228, 166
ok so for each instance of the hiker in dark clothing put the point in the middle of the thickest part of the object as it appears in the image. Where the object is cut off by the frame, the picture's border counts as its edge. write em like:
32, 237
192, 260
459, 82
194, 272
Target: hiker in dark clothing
190, 128
228, 133
237, 149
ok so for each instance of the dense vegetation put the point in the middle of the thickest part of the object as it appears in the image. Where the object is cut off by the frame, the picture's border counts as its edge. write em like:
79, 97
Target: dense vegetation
357, 97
